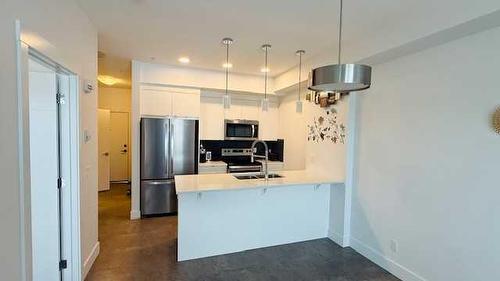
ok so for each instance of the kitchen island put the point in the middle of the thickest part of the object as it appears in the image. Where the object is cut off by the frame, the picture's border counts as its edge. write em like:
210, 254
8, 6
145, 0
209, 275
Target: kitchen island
220, 214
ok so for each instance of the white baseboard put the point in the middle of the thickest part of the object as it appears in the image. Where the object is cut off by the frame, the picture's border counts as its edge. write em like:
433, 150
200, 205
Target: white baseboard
89, 261
385, 262
339, 239
135, 214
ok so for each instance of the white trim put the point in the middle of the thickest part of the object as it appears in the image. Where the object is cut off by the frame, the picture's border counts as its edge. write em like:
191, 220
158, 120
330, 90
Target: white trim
339, 239
89, 261
351, 156
385, 262
76, 256
135, 214
135, 140
23, 155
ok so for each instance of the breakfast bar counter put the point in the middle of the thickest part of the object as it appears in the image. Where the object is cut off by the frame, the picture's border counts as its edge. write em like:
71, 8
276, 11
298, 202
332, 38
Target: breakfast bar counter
220, 214
219, 182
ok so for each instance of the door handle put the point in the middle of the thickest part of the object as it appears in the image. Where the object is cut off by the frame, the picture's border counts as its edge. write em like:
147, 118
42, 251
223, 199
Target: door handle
123, 151
171, 157
106, 154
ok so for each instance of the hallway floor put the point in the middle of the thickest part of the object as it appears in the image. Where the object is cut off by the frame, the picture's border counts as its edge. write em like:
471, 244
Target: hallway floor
146, 250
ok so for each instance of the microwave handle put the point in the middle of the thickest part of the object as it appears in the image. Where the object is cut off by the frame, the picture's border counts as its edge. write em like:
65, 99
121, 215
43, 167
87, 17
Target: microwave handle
253, 131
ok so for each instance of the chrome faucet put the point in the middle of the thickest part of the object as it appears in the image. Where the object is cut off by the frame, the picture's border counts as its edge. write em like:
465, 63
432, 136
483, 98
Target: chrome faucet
265, 156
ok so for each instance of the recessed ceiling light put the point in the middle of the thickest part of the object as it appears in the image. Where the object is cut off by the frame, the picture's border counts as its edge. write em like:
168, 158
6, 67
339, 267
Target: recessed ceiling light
107, 80
265, 69
184, 60
227, 65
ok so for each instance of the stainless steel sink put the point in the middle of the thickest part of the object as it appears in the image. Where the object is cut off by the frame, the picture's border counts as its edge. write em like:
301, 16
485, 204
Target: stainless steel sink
256, 176
271, 176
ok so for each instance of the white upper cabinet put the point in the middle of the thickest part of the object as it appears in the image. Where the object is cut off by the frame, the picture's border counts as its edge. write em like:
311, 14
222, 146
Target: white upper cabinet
168, 101
211, 118
186, 104
243, 109
250, 110
155, 102
213, 113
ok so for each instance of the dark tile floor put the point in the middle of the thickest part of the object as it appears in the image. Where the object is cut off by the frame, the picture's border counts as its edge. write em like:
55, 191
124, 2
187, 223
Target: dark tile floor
146, 250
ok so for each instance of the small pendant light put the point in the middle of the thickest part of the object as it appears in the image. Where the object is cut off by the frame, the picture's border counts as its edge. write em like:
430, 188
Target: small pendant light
298, 105
227, 99
265, 101
340, 78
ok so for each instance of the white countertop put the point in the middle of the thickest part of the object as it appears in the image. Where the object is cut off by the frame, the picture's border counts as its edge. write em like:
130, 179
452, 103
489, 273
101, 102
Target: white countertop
219, 182
213, 164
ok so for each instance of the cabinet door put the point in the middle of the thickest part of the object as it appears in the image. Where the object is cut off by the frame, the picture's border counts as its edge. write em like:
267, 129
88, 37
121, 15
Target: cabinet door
211, 118
155, 102
269, 122
234, 111
249, 110
185, 104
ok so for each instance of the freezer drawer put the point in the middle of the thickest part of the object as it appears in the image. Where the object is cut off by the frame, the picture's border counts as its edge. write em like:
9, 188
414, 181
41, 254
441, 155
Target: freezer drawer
158, 197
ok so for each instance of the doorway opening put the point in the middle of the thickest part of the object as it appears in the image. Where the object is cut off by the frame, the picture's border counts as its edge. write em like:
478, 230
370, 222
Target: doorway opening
52, 217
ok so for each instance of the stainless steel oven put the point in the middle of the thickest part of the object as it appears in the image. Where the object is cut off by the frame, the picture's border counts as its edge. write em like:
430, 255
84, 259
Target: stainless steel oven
239, 129
238, 160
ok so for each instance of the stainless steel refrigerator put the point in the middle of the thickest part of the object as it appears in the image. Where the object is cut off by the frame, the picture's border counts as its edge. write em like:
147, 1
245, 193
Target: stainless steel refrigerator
169, 147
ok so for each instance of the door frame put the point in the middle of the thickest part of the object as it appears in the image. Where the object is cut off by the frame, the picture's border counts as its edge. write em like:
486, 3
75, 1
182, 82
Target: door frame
70, 195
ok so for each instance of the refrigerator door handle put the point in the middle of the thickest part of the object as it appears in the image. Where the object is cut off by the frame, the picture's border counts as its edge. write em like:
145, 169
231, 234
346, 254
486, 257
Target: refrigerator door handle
171, 151
167, 148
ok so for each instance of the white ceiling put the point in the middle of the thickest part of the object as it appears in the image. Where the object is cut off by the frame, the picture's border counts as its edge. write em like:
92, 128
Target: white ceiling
167, 29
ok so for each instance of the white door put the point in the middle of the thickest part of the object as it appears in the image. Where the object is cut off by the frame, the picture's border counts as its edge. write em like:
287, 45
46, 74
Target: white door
44, 166
104, 136
119, 146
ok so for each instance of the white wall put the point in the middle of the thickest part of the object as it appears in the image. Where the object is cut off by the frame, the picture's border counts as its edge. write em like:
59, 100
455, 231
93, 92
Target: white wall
427, 172
300, 153
65, 34
200, 78
114, 99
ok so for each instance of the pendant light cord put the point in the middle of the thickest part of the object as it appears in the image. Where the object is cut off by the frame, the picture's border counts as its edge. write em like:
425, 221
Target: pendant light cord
300, 71
227, 67
265, 75
340, 30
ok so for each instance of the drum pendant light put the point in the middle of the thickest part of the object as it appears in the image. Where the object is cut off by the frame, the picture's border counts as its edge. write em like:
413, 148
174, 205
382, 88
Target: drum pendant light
340, 78
265, 101
298, 105
227, 99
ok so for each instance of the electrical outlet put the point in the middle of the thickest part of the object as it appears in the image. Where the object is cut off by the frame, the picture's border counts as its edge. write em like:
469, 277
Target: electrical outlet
394, 246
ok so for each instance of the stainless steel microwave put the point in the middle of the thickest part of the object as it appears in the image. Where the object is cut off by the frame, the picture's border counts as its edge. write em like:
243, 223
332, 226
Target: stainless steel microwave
239, 129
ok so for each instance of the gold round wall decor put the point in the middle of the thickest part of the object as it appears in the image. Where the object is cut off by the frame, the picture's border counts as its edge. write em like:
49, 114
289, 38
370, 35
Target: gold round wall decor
495, 119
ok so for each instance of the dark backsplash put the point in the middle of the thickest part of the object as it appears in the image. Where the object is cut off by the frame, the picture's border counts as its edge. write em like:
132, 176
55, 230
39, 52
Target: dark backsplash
215, 146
